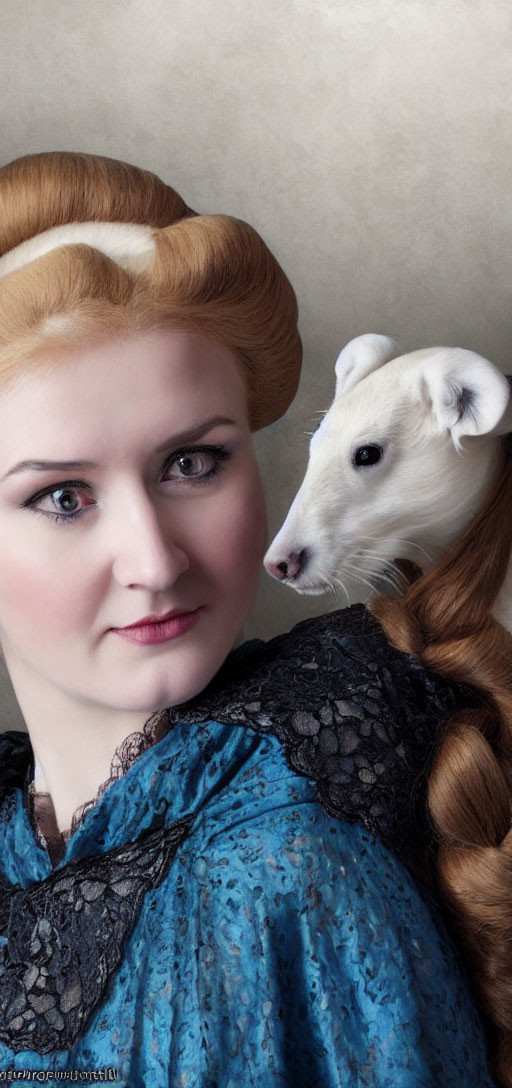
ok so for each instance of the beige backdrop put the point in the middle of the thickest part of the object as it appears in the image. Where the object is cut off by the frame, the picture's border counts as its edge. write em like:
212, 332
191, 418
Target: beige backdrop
367, 140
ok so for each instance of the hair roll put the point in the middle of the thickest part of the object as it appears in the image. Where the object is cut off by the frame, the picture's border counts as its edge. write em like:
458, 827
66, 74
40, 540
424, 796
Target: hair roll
210, 274
38, 192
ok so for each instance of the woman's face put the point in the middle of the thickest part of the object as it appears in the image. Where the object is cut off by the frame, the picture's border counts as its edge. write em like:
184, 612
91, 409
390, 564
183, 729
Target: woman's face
156, 507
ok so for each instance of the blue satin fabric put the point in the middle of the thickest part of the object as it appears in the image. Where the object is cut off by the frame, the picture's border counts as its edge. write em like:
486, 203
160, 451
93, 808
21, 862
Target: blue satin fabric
284, 948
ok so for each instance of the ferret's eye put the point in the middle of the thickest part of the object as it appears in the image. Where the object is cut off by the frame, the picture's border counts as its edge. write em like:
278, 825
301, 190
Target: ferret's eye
367, 455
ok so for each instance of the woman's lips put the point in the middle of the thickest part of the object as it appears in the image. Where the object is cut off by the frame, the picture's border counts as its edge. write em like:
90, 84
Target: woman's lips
162, 631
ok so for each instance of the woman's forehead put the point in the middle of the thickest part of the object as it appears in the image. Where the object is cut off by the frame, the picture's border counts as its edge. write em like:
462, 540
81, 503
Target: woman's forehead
179, 362
139, 386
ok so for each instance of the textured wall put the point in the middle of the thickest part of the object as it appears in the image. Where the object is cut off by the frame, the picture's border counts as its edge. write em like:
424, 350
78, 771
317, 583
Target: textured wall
367, 140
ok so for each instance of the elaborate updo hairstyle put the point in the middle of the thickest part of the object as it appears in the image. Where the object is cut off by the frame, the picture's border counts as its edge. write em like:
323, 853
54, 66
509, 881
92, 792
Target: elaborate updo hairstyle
92, 248
445, 619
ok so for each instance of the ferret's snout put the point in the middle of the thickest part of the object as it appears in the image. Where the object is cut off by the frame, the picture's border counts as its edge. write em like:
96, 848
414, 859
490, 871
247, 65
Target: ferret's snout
286, 570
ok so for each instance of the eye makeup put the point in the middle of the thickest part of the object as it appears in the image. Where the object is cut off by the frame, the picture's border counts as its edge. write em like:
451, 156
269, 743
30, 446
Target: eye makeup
218, 454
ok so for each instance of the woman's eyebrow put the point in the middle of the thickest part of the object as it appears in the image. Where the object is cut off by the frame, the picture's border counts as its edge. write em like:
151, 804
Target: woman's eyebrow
186, 437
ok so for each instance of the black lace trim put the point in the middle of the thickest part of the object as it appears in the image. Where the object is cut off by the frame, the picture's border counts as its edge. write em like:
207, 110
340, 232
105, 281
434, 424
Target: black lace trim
125, 754
352, 713
40, 805
63, 938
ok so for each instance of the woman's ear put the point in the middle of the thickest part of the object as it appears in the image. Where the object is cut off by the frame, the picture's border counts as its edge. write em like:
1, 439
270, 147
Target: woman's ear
360, 356
468, 394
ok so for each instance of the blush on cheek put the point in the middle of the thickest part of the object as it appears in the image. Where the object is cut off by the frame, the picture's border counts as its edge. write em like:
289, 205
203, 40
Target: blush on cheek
36, 598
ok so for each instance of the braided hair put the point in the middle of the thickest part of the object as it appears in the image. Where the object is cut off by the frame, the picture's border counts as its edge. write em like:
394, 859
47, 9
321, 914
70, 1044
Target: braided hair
445, 619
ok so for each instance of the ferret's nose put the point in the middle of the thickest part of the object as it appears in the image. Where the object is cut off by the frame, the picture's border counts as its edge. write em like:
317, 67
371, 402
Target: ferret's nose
289, 568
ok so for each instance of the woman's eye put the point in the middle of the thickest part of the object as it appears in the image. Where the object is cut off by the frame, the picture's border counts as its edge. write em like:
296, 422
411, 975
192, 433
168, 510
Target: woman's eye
66, 500
62, 502
191, 464
199, 465
367, 455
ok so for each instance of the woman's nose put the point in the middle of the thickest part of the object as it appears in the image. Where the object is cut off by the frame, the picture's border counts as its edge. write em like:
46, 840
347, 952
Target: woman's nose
146, 552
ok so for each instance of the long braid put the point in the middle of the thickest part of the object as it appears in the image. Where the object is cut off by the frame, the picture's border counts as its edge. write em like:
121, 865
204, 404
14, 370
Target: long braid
445, 619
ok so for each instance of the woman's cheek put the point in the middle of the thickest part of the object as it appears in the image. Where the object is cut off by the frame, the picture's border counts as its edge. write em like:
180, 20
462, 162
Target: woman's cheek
38, 592
234, 541
249, 519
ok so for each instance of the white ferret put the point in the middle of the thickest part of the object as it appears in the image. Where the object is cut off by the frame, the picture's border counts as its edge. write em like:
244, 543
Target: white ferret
399, 465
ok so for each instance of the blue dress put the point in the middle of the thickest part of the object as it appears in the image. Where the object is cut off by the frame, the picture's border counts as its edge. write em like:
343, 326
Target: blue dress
281, 945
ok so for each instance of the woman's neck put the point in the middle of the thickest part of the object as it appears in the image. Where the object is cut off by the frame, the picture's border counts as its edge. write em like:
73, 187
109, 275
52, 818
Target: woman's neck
73, 742
73, 778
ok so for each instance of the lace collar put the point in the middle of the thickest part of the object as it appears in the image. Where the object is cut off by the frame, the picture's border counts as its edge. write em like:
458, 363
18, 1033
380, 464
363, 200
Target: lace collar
40, 805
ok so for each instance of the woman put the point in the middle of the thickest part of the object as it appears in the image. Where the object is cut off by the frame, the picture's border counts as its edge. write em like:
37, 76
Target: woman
203, 870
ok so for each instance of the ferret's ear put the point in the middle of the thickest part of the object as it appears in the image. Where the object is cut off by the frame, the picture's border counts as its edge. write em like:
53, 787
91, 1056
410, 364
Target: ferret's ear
468, 394
360, 356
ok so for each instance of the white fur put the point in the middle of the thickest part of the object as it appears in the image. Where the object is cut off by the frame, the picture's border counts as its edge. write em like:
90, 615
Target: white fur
129, 244
437, 415
359, 357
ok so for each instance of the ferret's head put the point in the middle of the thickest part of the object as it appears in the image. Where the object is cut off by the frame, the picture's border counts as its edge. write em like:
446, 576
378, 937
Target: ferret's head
397, 468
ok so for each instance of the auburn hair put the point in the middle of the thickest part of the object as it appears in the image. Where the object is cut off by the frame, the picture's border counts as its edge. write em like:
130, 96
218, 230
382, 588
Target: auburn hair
445, 619
211, 274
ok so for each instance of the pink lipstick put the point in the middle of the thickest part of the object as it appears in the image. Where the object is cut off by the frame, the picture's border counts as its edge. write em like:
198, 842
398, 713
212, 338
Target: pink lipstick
148, 630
